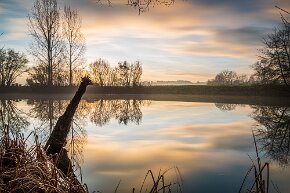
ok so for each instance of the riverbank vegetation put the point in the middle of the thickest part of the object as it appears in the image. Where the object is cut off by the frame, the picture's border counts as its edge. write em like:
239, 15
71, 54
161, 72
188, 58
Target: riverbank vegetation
222, 90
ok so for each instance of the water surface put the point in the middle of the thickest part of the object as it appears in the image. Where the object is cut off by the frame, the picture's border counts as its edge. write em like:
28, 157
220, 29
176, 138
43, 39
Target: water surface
210, 143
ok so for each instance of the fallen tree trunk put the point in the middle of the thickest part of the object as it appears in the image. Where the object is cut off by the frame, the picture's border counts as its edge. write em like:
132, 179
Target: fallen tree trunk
54, 147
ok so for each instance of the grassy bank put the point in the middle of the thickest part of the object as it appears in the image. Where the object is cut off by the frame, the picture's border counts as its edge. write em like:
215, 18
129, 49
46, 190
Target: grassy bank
248, 90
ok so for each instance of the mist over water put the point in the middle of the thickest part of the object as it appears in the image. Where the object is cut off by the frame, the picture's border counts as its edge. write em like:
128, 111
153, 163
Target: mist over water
113, 140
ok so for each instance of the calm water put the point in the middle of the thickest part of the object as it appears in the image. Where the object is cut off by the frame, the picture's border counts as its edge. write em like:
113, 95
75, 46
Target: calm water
120, 140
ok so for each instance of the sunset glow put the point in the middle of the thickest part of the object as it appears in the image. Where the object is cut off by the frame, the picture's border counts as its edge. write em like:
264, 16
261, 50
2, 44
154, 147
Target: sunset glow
190, 40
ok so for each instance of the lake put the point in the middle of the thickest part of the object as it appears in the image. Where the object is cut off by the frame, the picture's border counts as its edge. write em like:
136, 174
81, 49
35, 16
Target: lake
201, 147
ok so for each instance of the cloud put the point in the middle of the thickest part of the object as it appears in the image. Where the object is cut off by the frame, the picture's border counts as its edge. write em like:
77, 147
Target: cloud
207, 32
193, 36
239, 5
195, 148
249, 35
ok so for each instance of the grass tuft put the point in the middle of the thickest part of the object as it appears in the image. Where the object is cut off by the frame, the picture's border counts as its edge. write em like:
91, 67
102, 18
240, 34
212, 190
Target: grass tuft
29, 169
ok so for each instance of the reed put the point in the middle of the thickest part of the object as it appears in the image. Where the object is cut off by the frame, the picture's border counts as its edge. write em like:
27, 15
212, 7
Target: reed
29, 169
160, 184
26, 168
261, 171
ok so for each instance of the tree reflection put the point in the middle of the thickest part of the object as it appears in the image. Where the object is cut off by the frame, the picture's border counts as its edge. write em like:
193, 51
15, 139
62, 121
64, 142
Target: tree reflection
11, 116
48, 111
273, 131
76, 140
100, 112
225, 106
124, 111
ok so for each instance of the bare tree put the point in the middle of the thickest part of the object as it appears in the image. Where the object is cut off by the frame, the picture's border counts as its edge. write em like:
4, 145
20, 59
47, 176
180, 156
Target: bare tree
136, 73
125, 74
100, 71
225, 77
78, 74
12, 65
75, 41
242, 79
274, 61
124, 71
37, 75
114, 79
47, 46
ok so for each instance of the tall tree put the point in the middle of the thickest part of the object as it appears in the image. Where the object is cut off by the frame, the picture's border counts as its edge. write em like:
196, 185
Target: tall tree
44, 24
12, 64
75, 41
274, 61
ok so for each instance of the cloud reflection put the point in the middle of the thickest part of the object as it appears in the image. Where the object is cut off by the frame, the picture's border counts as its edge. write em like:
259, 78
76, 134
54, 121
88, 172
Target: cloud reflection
195, 148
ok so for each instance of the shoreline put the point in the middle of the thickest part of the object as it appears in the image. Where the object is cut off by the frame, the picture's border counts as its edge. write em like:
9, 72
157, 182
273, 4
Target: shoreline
272, 95
237, 90
227, 99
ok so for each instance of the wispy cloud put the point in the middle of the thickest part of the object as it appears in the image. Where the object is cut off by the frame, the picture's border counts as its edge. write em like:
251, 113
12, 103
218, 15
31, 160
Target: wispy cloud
193, 36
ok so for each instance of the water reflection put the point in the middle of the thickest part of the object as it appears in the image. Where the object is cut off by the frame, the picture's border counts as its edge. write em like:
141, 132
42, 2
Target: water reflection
124, 111
273, 131
11, 116
99, 112
227, 107
47, 112
209, 145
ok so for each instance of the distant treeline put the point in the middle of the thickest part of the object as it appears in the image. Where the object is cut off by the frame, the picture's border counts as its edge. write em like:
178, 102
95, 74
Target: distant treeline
227, 77
235, 90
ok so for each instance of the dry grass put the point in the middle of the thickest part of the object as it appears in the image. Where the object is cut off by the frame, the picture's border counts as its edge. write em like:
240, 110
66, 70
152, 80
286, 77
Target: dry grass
261, 171
160, 184
28, 169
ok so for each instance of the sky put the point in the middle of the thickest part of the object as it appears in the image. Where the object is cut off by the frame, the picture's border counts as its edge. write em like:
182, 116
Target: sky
189, 40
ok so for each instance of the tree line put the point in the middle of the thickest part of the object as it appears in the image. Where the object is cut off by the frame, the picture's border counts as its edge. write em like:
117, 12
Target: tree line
125, 74
100, 71
58, 48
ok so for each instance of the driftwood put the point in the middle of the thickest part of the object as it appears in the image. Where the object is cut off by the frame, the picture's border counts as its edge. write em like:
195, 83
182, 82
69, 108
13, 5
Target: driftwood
55, 145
